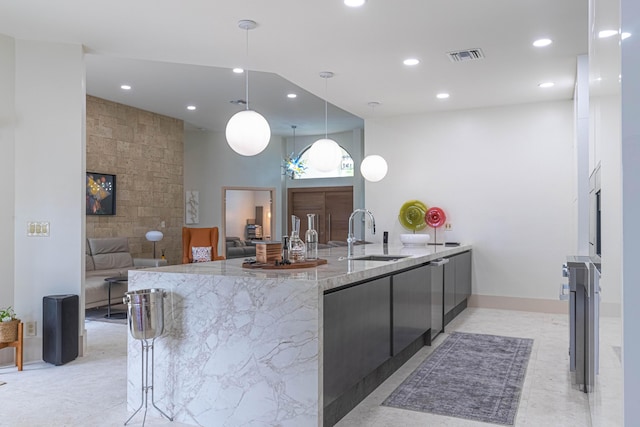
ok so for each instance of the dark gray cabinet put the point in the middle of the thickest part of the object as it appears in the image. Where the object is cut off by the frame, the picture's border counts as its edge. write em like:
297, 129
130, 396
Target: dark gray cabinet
411, 306
436, 269
457, 284
462, 276
450, 285
357, 334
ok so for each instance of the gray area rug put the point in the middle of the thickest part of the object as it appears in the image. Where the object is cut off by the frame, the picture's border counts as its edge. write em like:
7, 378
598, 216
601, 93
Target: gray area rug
473, 376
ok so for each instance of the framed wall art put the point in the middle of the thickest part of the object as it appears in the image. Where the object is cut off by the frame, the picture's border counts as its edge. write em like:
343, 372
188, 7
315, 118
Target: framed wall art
101, 194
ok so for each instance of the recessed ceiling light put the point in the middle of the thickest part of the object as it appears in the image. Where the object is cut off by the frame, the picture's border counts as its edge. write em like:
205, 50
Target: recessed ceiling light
442, 95
354, 3
607, 33
625, 35
191, 107
546, 84
542, 42
411, 61
292, 95
238, 70
125, 87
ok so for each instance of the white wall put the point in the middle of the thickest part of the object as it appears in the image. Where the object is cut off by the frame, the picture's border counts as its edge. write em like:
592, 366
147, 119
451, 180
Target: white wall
210, 165
7, 170
241, 205
581, 154
502, 175
49, 176
630, 16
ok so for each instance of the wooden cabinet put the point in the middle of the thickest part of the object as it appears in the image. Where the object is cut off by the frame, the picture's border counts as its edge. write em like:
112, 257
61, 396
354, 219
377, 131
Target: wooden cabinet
411, 292
331, 205
357, 334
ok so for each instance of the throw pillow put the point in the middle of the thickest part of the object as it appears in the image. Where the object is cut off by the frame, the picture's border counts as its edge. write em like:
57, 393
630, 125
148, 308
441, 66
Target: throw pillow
201, 253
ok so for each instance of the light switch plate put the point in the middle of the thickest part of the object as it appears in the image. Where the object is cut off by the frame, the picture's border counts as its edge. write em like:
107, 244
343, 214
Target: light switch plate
38, 228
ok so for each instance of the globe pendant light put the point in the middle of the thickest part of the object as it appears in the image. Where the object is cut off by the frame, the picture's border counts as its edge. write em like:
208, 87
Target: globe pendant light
248, 132
325, 154
373, 167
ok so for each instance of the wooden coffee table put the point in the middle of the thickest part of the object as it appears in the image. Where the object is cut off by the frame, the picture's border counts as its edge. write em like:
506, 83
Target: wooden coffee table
110, 281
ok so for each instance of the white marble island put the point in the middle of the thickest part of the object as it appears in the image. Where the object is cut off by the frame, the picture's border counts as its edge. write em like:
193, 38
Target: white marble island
244, 346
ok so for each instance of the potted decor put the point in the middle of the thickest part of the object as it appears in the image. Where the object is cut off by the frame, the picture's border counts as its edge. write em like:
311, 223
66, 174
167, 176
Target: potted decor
8, 325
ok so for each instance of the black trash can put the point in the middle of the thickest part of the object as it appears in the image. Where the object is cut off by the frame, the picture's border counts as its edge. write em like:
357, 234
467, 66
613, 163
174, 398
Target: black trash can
60, 328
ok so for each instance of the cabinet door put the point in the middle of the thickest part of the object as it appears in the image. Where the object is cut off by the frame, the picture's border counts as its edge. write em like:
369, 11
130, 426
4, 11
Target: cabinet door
411, 306
338, 207
437, 298
450, 285
331, 205
463, 276
357, 334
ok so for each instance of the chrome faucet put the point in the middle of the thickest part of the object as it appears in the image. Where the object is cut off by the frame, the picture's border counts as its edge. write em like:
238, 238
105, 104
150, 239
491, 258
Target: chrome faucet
351, 238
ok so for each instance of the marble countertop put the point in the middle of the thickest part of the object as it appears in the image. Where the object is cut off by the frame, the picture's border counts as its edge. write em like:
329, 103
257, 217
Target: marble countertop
337, 272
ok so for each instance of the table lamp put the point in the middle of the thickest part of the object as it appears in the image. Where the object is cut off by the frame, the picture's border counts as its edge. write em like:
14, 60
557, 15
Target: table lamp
154, 236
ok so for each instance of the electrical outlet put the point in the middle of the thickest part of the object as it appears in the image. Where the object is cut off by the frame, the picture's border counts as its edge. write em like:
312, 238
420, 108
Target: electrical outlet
448, 227
31, 329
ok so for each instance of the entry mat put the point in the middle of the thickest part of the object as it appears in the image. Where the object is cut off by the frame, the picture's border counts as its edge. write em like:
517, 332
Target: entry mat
473, 376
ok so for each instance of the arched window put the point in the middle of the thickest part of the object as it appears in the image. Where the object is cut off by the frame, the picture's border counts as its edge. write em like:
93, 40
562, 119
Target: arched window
299, 168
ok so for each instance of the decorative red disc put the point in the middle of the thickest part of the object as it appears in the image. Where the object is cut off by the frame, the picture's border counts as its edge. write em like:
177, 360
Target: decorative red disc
435, 217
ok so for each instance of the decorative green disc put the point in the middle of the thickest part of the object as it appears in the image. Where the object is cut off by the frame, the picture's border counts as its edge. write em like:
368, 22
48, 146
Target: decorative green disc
412, 215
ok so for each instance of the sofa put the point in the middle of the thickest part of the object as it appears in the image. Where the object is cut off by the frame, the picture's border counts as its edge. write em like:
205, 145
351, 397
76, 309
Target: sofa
238, 248
109, 257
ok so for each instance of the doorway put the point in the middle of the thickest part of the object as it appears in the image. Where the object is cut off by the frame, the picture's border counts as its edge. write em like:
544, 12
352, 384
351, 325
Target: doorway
331, 205
247, 213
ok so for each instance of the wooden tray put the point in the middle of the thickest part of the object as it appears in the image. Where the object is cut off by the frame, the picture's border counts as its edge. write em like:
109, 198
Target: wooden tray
272, 266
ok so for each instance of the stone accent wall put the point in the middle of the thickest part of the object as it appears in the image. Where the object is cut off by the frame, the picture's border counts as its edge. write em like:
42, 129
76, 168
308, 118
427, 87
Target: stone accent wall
145, 152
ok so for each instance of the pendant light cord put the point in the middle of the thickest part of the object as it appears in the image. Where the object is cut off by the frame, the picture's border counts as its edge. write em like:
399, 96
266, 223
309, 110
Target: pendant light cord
325, 108
246, 70
294, 138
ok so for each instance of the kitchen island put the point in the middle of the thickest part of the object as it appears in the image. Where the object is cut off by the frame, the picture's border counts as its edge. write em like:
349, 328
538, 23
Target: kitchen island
245, 346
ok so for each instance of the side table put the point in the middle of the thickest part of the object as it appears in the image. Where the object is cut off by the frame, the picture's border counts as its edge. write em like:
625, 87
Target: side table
110, 281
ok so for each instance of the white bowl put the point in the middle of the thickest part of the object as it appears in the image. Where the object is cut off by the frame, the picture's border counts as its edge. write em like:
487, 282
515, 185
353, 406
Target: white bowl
414, 239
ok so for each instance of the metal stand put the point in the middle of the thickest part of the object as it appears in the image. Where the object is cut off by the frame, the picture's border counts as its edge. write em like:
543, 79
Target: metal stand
145, 383
146, 322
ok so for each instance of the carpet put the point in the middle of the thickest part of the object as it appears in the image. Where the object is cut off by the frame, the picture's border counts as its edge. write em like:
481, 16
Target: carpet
98, 315
472, 376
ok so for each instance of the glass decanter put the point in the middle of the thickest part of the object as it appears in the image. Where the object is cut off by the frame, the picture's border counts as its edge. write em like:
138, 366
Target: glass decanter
311, 238
297, 249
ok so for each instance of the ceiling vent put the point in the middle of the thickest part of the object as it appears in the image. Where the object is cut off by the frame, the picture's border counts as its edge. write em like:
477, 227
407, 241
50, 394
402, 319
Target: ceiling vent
465, 55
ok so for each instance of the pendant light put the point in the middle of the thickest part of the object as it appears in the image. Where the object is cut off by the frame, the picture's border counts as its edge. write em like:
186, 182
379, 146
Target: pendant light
293, 165
248, 132
325, 154
373, 167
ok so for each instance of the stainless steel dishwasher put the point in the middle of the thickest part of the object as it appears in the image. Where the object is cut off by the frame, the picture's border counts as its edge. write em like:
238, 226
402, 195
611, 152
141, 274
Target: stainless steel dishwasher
436, 269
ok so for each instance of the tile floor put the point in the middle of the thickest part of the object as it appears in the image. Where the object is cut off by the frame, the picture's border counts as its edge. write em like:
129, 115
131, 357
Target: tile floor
91, 391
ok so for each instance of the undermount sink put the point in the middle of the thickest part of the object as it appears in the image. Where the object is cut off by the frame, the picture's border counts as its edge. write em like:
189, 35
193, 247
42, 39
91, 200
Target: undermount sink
379, 258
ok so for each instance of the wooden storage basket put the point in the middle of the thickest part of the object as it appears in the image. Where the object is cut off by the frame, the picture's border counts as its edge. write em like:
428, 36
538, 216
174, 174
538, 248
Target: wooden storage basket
9, 331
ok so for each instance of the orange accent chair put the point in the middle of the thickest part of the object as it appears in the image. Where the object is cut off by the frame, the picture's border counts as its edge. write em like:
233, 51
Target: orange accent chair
199, 237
